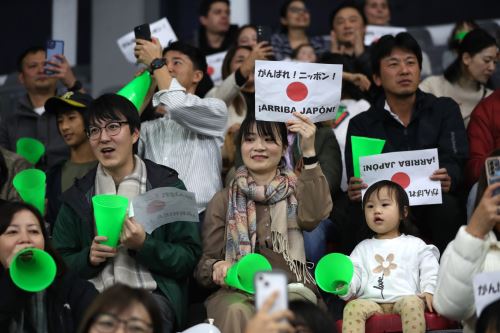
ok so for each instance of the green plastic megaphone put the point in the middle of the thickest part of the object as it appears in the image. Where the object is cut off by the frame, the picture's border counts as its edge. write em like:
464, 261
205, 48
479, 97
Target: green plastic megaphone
136, 90
334, 273
31, 149
32, 269
30, 184
362, 146
109, 213
241, 274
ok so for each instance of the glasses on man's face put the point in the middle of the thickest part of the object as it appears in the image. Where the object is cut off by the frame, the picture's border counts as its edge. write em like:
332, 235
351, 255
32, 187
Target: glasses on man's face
298, 10
108, 323
113, 128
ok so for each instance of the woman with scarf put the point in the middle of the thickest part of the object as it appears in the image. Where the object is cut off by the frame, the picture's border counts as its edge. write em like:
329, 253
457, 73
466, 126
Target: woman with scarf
263, 210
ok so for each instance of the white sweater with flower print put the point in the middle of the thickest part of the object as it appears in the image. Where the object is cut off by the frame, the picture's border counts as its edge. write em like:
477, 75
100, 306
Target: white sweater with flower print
387, 269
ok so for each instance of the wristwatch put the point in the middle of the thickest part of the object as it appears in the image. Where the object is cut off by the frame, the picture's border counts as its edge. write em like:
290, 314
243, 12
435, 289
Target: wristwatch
310, 160
156, 64
76, 87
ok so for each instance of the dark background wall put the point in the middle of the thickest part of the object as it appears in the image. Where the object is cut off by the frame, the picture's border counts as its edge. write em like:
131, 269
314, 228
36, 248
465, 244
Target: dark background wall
28, 22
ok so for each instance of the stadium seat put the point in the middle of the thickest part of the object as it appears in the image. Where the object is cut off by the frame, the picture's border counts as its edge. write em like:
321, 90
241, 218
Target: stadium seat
391, 323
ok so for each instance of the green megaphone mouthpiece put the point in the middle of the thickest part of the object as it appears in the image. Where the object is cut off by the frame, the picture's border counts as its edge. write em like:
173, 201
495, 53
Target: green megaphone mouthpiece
137, 89
334, 273
31, 149
109, 214
242, 273
30, 184
32, 269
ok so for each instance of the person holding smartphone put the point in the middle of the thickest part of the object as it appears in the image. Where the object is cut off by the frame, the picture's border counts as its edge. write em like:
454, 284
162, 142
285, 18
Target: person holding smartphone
27, 118
295, 20
475, 249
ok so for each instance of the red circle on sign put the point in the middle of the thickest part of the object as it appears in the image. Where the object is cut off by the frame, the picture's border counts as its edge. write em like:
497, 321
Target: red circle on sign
402, 179
210, 70
297, 91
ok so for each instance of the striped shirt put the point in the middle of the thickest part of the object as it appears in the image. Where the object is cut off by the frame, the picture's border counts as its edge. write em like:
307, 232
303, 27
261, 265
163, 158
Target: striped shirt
188, 139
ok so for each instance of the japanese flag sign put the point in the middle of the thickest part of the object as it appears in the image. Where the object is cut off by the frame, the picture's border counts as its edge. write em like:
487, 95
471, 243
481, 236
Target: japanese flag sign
160, 29
214, 66
284, 87
410, 169
486, 289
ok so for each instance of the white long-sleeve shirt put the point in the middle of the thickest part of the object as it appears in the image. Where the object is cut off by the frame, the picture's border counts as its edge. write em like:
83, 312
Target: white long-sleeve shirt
463, 258
387, 269
188, 139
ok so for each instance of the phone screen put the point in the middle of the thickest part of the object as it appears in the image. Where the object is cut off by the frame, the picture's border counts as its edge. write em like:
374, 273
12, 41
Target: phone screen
492, 165
53, 47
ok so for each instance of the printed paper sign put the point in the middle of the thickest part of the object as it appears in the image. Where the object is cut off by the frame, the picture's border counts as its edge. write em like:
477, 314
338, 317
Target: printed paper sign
486, 290
164, 205
410, 169
374, 32
160, 29
214, 69
283, 87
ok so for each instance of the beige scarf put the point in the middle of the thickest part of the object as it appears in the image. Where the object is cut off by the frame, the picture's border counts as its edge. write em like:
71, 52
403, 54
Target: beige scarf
286, 235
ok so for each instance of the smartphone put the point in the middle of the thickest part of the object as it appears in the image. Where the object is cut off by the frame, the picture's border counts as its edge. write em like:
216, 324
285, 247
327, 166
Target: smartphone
52, 48
266, 283
492, 165
142, 32
263, 33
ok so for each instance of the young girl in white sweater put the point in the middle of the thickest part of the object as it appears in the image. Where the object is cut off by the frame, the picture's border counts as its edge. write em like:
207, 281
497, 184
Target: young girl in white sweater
393, 272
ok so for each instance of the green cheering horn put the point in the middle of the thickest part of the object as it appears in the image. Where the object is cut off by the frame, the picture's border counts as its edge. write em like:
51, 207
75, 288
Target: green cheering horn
31, 149
362, 146
136, 90
109, 213
30, 184
32, 269
334, 273
242, 273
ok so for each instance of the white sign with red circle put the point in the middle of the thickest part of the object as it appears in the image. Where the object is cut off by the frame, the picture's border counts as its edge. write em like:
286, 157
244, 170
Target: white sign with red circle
214, 66
410, 169
284, 87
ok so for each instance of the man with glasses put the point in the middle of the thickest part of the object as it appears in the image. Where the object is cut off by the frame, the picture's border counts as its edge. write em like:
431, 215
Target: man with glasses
160, 262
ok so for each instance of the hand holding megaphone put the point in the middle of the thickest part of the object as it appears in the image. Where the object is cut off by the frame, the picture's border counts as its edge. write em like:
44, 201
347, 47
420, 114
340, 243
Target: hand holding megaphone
334, 273
32, 269
241, 274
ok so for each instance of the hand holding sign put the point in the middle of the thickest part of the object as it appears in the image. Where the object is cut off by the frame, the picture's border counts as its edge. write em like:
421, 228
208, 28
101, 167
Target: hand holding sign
307, 131
146, 51
354, 188
133, 234
444, 178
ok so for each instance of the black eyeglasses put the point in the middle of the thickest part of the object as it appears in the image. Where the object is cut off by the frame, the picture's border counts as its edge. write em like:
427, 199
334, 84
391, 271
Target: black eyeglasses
108, 323
112, 129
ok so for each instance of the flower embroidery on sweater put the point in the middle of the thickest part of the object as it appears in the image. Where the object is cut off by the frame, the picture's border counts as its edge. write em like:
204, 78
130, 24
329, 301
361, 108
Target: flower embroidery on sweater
386, 265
